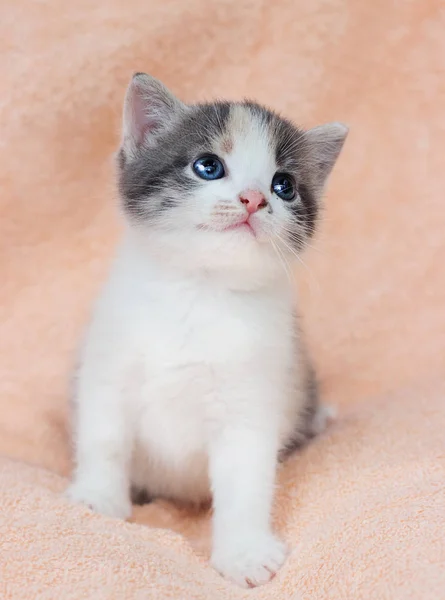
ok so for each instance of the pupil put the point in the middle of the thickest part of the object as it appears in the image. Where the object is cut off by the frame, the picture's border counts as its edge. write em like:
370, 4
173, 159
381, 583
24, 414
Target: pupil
284, 185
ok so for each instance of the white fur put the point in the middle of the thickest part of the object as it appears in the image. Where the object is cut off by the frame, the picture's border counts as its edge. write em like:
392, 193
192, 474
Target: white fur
190, 376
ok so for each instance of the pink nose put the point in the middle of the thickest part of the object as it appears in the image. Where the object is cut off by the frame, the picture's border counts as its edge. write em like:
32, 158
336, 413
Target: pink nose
253, 200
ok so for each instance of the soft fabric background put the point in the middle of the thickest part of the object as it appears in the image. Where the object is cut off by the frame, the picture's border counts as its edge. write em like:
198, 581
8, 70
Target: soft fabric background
364, 507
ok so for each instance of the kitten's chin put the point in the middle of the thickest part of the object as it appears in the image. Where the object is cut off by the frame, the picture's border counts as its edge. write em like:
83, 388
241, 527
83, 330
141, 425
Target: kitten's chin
239, 257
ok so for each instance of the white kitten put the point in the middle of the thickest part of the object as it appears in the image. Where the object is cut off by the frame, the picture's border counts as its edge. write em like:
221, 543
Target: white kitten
193, 378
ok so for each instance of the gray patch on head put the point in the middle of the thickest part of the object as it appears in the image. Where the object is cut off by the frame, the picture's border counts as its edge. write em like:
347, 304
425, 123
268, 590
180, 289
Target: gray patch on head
291, 154
157, 178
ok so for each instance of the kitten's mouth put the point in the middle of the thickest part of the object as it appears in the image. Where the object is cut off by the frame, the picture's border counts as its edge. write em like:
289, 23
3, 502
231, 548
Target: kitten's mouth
243, 225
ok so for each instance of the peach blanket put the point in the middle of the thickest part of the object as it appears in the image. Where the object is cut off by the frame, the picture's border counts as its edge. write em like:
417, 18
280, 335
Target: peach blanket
364, 506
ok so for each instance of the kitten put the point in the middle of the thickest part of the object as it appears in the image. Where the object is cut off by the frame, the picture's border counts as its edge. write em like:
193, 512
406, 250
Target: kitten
193, 378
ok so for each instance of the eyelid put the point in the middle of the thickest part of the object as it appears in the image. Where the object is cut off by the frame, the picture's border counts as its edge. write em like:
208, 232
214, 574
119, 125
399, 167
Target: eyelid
286, 174
202, 155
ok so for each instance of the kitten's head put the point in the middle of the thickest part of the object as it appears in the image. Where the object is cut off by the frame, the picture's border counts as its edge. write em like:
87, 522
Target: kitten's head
223, 186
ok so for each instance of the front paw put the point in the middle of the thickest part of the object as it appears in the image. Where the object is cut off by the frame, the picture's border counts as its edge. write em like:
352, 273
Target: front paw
103, 500
249, 561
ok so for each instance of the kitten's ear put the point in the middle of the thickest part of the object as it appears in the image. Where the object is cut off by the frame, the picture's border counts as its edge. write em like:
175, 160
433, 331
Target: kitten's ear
149, 107
325, 143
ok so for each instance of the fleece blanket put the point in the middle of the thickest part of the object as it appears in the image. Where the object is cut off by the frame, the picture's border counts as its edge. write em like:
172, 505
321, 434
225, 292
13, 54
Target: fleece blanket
363, 507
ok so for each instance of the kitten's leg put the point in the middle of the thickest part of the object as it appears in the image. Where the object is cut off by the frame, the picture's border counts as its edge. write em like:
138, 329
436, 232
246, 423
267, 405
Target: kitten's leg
242, 470
102, 447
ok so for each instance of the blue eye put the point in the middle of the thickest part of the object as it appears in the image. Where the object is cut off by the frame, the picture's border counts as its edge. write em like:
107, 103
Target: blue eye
284, 186
209, 167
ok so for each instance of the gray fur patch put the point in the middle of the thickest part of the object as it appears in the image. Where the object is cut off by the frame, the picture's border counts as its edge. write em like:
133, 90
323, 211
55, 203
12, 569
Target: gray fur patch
152, 182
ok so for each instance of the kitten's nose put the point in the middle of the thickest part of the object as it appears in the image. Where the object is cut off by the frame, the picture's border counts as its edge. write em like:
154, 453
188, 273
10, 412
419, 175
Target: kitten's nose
253, 200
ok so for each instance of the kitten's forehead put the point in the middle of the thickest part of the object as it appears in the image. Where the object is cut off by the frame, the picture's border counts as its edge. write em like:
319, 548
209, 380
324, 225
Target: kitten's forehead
244, 123
247, 143
254, 131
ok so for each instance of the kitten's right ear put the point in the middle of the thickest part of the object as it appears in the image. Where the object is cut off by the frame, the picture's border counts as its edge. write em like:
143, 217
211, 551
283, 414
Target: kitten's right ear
149, 107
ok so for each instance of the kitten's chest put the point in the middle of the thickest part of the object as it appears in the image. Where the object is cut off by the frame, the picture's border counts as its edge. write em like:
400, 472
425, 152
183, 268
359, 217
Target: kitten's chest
194, 346
190, 326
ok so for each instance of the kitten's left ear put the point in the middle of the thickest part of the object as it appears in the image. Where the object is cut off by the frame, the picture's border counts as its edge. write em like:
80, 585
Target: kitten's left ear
324, 144
149, 108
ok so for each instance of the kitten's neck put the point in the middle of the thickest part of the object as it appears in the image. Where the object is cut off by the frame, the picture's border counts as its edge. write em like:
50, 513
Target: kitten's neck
155, 255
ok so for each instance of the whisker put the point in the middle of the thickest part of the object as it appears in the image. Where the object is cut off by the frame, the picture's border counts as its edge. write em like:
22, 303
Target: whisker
217, 118
300, 239
295, 254
281, 259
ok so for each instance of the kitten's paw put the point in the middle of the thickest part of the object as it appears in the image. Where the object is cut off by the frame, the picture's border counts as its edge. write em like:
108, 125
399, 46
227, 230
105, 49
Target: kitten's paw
323, 417
250, 562
103, 501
